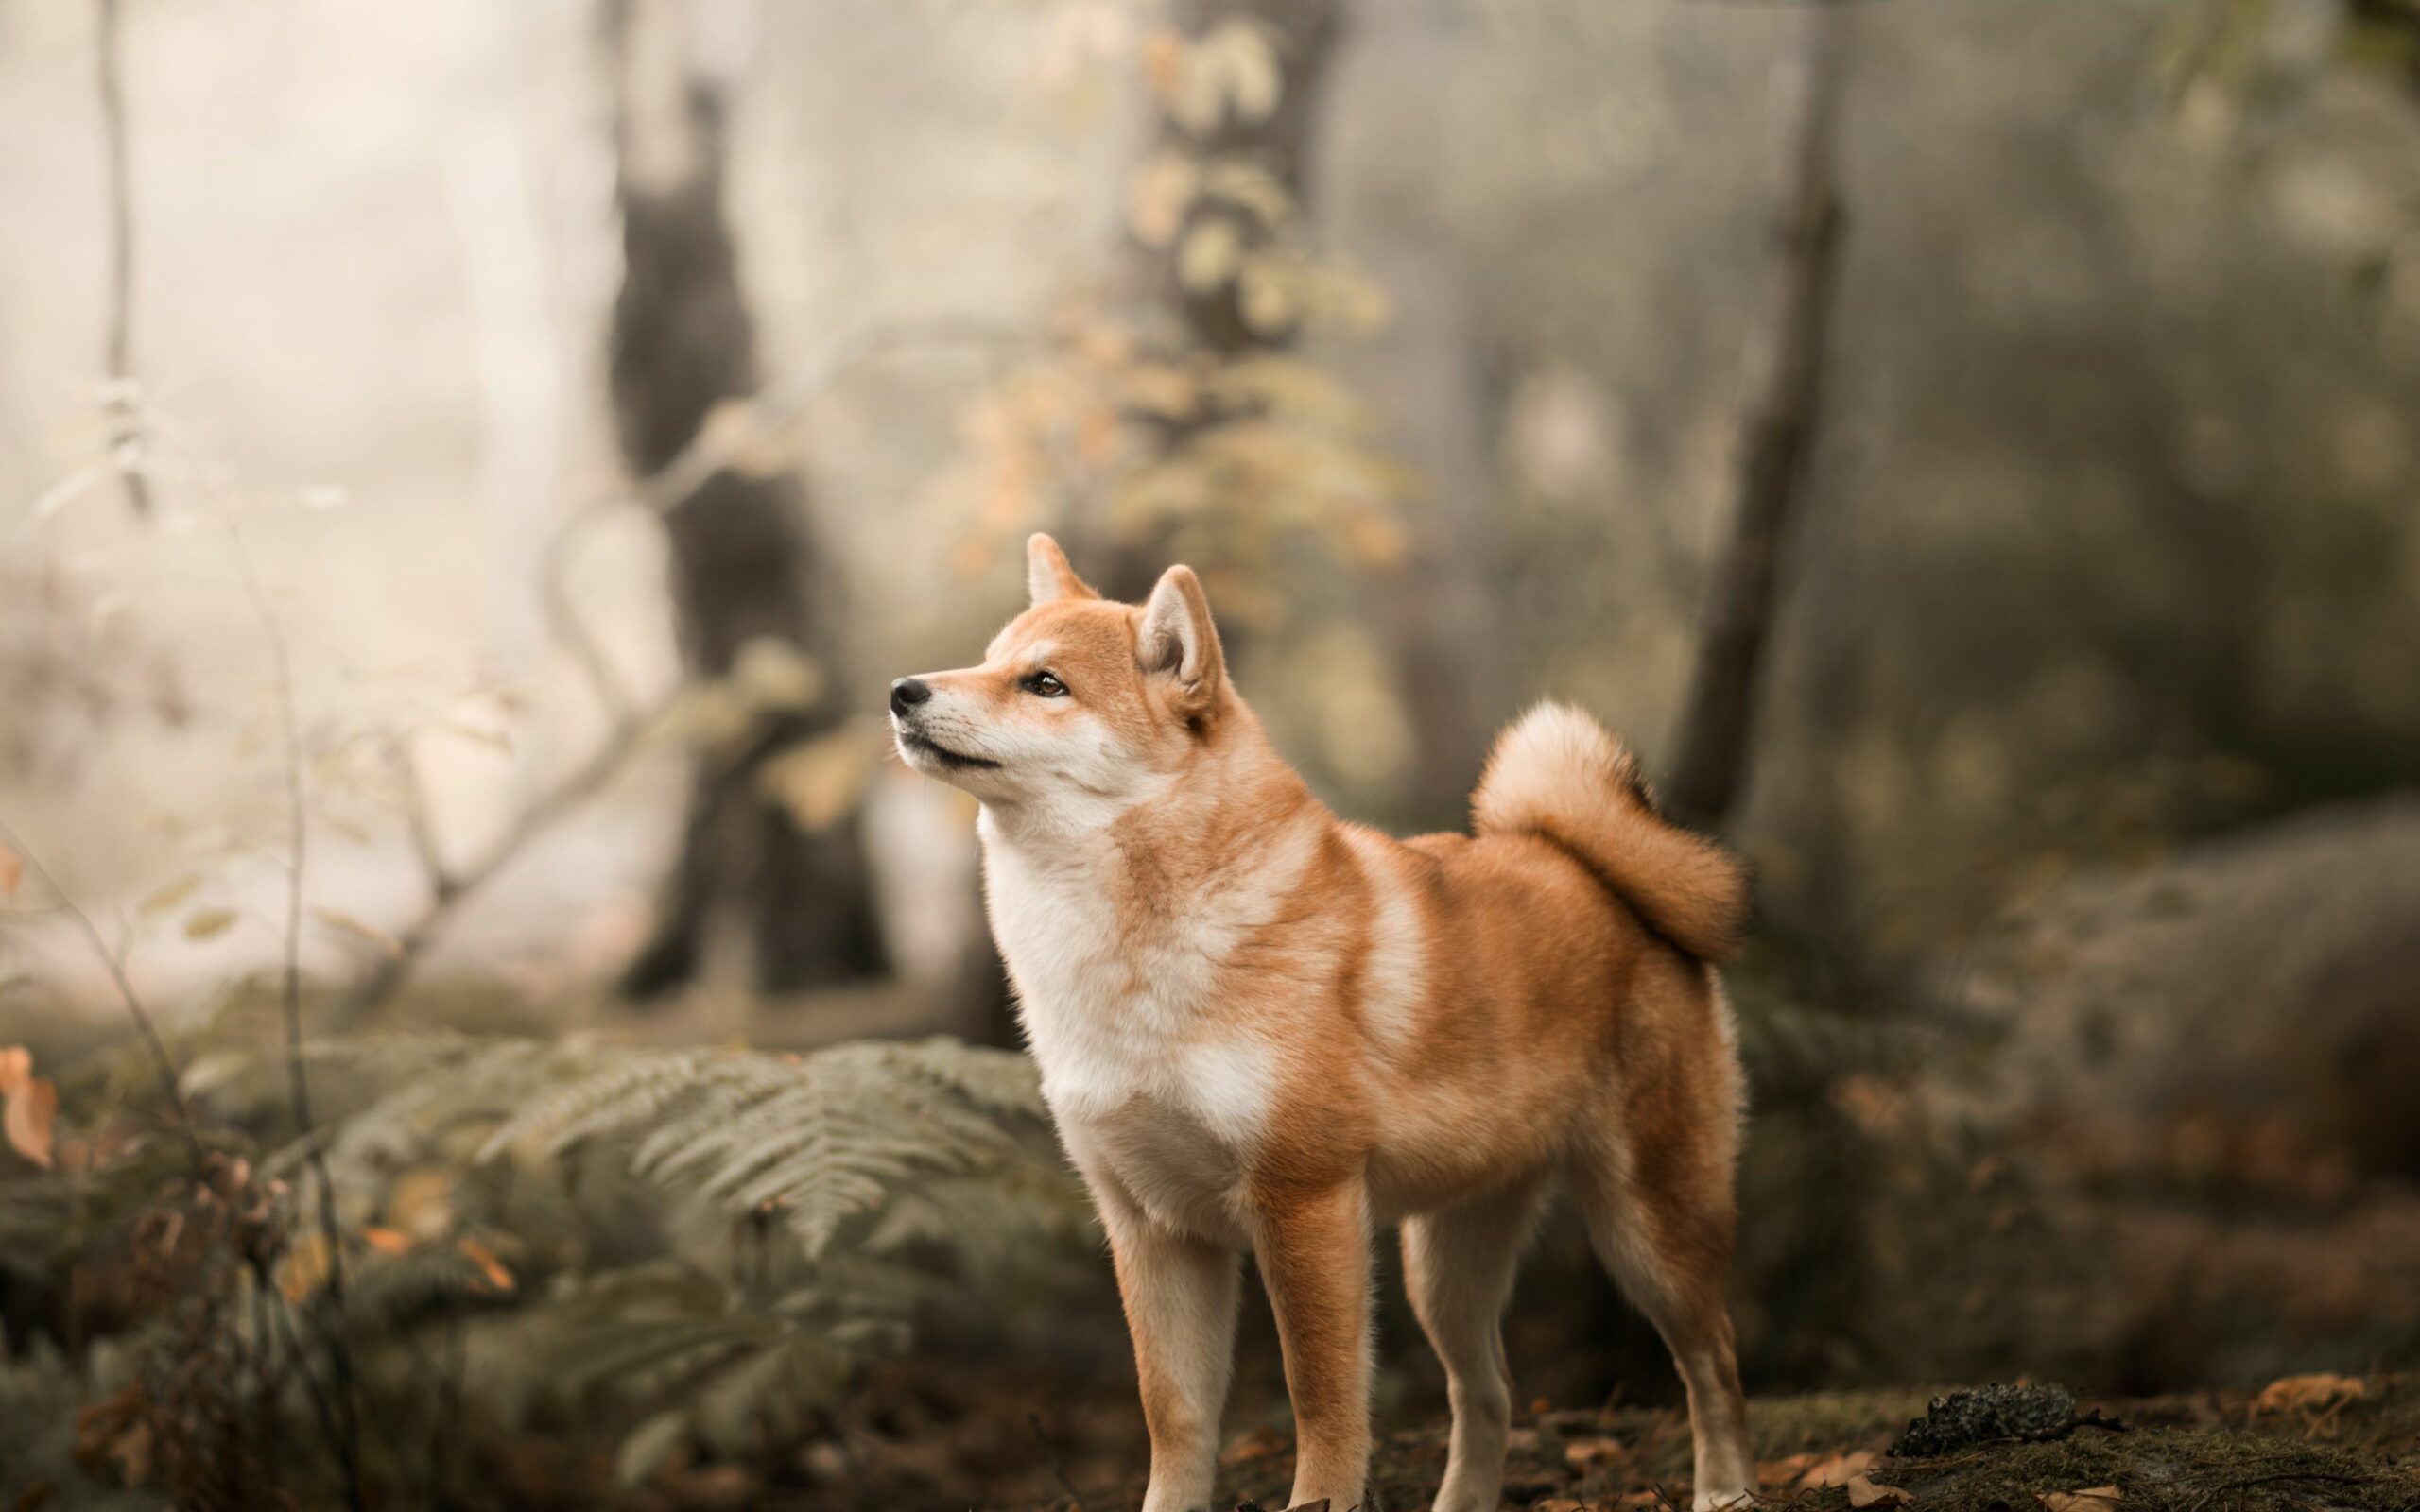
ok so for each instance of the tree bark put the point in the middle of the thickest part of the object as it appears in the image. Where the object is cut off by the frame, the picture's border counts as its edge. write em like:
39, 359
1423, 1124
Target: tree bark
1208, 318
1782, 411
745, 565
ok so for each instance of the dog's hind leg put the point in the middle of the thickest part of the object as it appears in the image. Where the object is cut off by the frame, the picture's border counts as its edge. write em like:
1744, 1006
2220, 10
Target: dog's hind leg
1668, 1243
1458, 1264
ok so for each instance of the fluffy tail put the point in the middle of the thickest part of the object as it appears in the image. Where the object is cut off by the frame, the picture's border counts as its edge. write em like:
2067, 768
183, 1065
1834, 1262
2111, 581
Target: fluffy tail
1555, 772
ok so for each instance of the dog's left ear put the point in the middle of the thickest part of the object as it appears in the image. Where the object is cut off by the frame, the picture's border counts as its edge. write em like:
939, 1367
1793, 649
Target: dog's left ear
1047, 574
1178, 642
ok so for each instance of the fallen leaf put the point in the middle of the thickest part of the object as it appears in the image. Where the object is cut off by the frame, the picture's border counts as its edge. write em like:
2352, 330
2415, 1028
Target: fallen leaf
206, 922
1260, 1443
2094, 1499
12, 871
1840, 1468
16, 1065
1864, 1493
1782, 1471
1588, 1453
2306, 1393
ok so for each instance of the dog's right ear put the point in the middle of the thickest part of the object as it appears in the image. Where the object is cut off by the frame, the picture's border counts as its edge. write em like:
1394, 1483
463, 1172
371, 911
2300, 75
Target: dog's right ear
1048, 576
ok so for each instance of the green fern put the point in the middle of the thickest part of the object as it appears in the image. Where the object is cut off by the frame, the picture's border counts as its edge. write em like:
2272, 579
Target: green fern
706, 1242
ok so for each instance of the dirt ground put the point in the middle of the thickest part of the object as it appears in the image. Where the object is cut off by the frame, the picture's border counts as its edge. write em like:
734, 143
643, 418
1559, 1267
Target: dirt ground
919, 1438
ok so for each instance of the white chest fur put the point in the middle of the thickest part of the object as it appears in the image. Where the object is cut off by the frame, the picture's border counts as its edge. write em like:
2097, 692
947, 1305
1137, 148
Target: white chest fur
1141, 1068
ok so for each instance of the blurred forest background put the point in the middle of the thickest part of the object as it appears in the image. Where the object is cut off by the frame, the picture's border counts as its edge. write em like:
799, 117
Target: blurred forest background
483, 1022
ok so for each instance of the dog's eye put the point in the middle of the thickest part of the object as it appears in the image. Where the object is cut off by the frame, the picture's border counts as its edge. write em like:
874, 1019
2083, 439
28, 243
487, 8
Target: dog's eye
1045, 685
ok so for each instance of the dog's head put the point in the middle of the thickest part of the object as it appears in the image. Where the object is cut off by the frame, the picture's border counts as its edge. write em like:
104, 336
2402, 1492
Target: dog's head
1081, 702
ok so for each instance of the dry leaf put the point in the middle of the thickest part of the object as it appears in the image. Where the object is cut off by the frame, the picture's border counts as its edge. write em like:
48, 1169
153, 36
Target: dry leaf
208, 922
1211, 254
1588, 1453
386, 1241
2095, 1499
305, 1267
167, 895
337, 919
819, 781
12, 871
30, 1110
1864, 1493
1258, 1443
420, 1202
1838, 1469
1783, 1472
16, 1066
484, 1258
2306, 1393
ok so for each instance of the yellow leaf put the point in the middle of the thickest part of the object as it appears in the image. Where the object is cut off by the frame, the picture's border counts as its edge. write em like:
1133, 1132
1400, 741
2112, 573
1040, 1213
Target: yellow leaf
361, 928
1239, 57
421, 1203
819, 781
1838, 1469
170, 894
1210, 256
27, 1115
305, 1267
208, 922
2312, 1393
12, 871
1864, 1493
771, 673
1157, 197
484, 1258
1267, 304
16, 1065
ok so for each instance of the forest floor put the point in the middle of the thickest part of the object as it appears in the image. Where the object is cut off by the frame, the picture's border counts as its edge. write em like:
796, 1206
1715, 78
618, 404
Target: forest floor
2308, 1444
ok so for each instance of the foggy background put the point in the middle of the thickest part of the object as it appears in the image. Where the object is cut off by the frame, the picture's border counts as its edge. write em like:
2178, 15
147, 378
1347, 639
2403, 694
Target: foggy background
581, 412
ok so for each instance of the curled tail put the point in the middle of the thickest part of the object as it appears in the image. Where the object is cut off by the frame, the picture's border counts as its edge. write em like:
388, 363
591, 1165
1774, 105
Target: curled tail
1557, 773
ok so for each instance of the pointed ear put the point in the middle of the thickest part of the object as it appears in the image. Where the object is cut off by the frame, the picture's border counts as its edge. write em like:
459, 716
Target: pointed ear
1177, 641
1047, 574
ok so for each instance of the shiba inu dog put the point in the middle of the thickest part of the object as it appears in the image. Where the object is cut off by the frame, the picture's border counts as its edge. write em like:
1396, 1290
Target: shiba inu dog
1260, 1028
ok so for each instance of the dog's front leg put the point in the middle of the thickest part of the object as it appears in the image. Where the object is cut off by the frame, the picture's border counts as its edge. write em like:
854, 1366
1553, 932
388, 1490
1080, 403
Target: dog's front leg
1314, 1251
1180, 1296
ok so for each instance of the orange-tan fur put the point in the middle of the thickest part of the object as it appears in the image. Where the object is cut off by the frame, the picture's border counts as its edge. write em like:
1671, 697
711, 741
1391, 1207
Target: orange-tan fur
1261, 1027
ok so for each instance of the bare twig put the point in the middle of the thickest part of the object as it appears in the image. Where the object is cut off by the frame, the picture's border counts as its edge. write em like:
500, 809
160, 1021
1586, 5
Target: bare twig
714, 448
348, 1440
163, 1064
1058, 1467
123, 405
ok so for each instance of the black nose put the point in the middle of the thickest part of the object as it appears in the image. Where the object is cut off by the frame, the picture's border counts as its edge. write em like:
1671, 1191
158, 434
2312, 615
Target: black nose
906, 693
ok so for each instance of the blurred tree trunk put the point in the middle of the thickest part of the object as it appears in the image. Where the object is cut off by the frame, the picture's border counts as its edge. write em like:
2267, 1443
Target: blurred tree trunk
1257, 129
1782, 409
744, 563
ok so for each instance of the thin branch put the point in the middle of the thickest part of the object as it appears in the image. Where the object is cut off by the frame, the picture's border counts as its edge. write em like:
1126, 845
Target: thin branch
715, 447
348, 1445
1782, 412
123, 405
163, 1064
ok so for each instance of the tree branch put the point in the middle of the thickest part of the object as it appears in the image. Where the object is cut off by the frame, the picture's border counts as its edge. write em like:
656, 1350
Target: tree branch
123, 405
